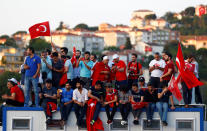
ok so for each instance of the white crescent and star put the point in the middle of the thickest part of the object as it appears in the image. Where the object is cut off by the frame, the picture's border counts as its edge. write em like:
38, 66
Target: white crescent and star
45, 28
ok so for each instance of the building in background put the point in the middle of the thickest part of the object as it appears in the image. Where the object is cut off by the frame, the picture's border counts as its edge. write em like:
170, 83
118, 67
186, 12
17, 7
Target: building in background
197, 41
200, 10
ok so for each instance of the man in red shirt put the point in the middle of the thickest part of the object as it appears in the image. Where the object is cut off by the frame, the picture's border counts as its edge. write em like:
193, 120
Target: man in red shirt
101, 71
168, 70
15, 99
120, 70
134, 70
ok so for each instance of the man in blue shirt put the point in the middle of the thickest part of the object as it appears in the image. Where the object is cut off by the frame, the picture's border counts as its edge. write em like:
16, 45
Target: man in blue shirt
85, 72
69, 70
32, 67
45, 71
66, 102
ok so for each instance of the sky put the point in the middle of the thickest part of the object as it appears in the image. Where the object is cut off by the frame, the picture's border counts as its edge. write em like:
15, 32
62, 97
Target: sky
21, 14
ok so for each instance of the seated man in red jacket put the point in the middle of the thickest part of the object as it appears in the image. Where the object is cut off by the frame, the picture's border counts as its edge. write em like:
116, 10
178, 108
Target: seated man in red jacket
15, 99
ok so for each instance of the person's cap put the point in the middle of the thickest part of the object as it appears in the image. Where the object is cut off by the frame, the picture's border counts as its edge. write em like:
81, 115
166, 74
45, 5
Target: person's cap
141, 79
13, 80
115, 56
105, 58
108, 85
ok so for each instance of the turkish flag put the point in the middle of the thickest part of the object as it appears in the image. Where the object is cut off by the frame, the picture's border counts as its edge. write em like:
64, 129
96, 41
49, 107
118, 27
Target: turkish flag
187, 75
173, 87
63, 79
40, 29
202, 11
73, 59
98, 125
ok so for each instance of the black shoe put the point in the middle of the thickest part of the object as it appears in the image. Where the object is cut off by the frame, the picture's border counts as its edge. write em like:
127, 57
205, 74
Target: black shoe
149, 123
136, 122
48, 121
164, 123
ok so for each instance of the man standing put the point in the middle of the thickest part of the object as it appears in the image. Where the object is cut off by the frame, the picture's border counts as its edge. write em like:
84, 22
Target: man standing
85, 72
80, 98
45, 71
134, 70
156, 68
32, 67
168, 71
69, 70
120, 70
198, 97
76, 70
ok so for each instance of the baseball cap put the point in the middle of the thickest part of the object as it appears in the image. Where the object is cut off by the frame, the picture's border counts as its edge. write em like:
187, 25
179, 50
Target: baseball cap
115, 56
105, 58
141, 79
13, 80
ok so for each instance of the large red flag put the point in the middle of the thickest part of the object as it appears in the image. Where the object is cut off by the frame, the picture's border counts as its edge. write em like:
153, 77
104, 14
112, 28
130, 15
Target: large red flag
173, 87
187, 76
98, 125
40, 29
138, 105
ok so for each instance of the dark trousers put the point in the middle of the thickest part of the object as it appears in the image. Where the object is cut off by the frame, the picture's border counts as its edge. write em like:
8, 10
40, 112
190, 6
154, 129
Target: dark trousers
74, 82
130, 82
137, 112
124, 110
97, 111
12, 103
120, 83
80, 112
110, 116
65, 110
187, 94
155, 81
150, 110
198, 97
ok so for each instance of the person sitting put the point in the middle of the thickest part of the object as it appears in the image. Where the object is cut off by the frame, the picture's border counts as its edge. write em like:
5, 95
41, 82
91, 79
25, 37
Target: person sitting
110, 102
49, 95
66, 102
142, 84
124, 103
137, 96
162, 105
80, 98
150, 95
97, 93
15, 99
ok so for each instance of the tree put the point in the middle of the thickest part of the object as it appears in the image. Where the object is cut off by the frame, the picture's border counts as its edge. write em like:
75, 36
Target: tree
169, 17
190, 11
94, 28
39, 44
150, 17
81, 26
111, 48
128, 44
3, 81
4, 37
10, 42
60, 27
20, 32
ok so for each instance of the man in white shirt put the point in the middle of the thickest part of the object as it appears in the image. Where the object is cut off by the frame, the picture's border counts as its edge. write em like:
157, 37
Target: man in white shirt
80, 98
198, 98
156, 68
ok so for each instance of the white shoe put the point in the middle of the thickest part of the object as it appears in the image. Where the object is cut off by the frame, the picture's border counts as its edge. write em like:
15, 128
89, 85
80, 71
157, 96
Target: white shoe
122, 122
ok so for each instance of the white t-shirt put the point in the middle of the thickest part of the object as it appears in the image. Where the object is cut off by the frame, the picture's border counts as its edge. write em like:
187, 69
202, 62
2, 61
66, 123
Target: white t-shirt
196, 68
80, 97
156, 72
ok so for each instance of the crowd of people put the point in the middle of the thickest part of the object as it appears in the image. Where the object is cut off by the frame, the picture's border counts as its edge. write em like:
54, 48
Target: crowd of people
56, 79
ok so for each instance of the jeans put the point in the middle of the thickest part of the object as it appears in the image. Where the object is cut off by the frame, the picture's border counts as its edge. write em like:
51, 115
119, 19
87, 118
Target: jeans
124, 110
97, 111
137, 112
80, 112
155, 81
65, 110
162, 109
110, 116
27, 88
150, 110
187, 94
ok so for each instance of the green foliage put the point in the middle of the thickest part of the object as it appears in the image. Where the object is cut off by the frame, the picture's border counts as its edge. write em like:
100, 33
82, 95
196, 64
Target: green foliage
10, 42
150, 17
81, 26
112, 48
190, 11
94, 28
20, 32
39, 44
169, 16
128, 44
3, 81
4, 37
